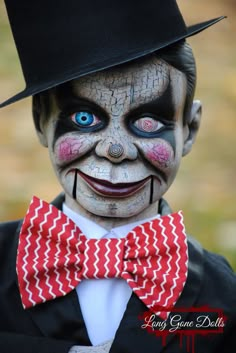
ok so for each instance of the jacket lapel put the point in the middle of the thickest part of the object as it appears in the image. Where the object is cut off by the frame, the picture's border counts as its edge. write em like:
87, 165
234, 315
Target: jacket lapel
130, 337
61, 318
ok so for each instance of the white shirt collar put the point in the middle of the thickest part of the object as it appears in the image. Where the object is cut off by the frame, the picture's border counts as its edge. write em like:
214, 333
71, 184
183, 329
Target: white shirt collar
92, 230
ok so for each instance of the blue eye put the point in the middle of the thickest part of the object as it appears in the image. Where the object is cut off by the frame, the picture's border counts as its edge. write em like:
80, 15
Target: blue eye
83, 118
86, 121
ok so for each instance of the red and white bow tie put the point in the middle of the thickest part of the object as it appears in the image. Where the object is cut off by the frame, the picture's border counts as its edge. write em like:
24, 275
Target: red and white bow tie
54, 256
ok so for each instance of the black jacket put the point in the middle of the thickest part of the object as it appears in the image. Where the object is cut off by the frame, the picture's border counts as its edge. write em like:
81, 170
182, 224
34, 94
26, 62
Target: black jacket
55, 326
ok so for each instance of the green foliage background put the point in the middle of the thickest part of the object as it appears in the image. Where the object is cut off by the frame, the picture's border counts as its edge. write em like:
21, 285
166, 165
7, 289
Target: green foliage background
205, 186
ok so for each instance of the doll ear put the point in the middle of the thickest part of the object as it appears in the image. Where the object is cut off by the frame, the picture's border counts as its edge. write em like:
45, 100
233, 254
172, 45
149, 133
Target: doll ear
39, 117
193, 124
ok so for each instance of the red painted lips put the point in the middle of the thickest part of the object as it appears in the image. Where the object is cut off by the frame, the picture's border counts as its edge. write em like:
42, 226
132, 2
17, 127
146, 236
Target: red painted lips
108, 189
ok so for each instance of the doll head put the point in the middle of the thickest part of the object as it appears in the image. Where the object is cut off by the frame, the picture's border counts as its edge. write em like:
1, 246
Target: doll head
116, 137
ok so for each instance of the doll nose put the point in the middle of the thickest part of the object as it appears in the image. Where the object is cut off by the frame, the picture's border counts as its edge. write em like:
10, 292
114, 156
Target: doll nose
116, 151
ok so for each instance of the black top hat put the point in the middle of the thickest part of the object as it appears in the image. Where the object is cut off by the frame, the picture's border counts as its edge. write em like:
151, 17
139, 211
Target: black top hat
59, 40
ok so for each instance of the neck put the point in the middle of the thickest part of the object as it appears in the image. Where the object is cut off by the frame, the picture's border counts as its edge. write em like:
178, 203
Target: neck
111, 222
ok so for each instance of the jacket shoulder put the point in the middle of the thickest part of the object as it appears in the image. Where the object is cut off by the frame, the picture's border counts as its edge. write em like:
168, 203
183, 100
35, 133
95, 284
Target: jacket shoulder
217, 268
219, 285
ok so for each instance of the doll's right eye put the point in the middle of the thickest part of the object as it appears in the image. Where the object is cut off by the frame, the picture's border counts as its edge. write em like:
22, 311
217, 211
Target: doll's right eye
85, 119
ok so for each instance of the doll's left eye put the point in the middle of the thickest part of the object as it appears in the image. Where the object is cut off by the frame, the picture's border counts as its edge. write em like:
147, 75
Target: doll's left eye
148, 124
85, 119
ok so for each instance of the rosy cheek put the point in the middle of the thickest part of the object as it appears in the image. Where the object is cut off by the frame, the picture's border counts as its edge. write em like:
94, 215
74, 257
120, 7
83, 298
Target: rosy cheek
160, 153
68, 148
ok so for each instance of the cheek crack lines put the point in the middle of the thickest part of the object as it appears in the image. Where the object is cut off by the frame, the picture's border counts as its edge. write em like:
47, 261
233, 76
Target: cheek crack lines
68, 149
162, 154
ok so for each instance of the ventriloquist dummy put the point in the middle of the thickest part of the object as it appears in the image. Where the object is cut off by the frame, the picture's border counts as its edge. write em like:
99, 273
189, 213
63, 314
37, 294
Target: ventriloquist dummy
107, 266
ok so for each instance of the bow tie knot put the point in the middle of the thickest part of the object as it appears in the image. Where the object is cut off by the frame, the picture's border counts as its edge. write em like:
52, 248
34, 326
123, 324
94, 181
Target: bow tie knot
101, 258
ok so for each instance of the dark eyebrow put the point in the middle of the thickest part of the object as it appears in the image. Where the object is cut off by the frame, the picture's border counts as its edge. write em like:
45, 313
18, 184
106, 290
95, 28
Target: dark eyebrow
162, 106
67, 101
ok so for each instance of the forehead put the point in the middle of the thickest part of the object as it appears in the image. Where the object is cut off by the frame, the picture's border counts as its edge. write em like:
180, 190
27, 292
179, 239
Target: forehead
137, 83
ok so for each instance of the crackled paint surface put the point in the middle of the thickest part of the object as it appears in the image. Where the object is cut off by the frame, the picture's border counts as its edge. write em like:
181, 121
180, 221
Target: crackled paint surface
67, 149
161, 154
138, 106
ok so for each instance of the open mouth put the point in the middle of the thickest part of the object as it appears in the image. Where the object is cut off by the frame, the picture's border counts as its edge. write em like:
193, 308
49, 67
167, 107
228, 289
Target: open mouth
105, 188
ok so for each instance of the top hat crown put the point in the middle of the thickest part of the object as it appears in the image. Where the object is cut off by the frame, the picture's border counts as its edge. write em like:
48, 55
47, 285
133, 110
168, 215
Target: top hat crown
60, 40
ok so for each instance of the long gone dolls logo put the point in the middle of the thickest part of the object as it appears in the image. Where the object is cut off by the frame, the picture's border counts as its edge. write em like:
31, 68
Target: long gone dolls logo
185, 322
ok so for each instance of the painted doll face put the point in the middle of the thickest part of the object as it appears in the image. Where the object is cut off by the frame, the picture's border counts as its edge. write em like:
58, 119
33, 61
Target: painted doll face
116, 141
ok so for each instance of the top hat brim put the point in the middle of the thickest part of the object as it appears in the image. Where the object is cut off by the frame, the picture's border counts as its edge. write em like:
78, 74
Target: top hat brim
107, 63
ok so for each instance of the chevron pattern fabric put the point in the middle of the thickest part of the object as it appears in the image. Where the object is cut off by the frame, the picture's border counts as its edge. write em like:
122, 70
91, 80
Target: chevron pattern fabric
54, 256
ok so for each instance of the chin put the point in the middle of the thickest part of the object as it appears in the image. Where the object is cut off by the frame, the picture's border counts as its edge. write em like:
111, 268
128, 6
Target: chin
114, 208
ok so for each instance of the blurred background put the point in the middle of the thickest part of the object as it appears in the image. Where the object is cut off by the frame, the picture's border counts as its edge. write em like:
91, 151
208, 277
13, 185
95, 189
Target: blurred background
205, 186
